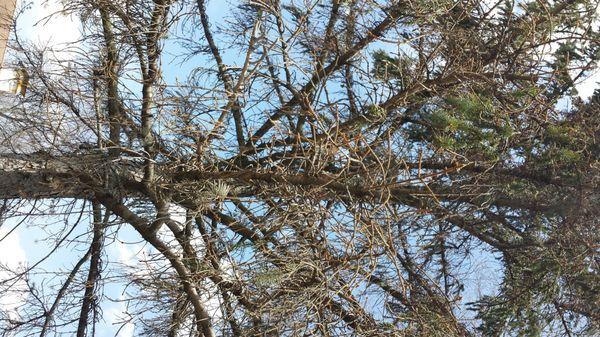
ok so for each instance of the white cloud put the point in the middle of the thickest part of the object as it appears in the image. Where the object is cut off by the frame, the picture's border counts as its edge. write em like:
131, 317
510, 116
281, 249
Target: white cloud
126, 254
116, 317
586, 87
43, 23
12, 255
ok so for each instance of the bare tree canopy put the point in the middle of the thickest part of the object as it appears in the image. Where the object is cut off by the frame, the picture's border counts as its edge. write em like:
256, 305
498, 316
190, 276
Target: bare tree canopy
310, 168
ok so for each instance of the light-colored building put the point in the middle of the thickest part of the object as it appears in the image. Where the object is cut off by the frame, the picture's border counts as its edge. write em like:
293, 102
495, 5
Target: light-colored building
7, 10
12, 80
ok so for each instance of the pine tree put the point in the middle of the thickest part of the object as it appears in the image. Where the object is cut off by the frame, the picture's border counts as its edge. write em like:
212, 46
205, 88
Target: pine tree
300, 168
